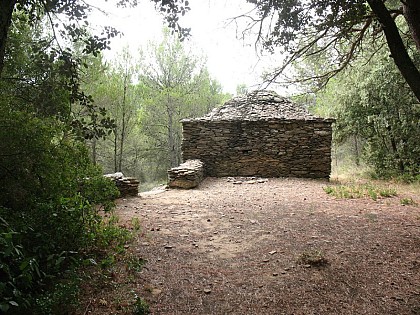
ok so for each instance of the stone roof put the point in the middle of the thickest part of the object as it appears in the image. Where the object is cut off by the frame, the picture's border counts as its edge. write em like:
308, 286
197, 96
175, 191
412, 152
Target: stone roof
259, 105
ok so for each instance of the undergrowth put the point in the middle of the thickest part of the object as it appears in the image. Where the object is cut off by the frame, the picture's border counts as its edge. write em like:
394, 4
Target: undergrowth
110, 260
350, 191
141, 307
408, 202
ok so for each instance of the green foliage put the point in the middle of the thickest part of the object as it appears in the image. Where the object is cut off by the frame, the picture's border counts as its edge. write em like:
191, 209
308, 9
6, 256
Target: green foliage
51, 192
89, 188
113, 88
50, 221
174, 84
135, 222
107, 262
409, 178
109, 234
16, 270
44, 79
408, 202
241, 89
373, 105
62, 298
359, 191
141, 307
50, 189
147, 99
135, 263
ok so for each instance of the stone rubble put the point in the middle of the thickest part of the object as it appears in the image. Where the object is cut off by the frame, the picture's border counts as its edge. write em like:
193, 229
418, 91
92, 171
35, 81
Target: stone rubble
127, 186
187, 175
246, 180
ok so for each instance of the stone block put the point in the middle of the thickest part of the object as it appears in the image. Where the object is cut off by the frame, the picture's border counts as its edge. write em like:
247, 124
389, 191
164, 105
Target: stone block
187, 175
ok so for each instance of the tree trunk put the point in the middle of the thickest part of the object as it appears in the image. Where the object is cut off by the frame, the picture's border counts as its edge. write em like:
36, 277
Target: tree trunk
396, 46
171, 141
394, 147
94, 153
171, 133
123, 123
115, 150
356, 149
6, 10
411, 9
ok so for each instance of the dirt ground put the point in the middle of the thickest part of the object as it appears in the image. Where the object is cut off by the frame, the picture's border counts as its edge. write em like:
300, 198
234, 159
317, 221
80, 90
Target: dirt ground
278, 246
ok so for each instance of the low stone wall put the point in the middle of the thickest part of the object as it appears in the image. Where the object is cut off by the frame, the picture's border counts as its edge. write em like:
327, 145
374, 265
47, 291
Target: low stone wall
267, 148
187, 175
127, 186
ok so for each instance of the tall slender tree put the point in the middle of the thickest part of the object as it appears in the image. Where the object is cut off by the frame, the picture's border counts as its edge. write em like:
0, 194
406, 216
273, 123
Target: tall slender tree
176, 85
111, 86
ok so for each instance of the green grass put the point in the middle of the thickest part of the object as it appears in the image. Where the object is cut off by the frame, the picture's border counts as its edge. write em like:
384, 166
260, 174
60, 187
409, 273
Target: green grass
135, 223
408, 202
350, 191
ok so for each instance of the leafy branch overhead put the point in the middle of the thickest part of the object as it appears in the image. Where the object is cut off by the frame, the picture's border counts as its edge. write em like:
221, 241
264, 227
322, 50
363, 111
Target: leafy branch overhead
69, 43
301, 29
74, 29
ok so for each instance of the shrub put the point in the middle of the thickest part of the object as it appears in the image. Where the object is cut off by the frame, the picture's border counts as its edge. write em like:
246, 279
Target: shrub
141, 307
48, 207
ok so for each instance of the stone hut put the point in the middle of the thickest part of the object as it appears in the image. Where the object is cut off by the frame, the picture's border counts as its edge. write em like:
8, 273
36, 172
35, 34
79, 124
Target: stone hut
260, 134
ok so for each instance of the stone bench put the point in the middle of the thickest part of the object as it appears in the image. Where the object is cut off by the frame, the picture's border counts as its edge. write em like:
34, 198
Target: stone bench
187, 175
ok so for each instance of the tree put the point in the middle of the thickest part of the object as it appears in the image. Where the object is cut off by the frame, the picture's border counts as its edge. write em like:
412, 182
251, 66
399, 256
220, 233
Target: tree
111, 86
372, 102
82, 43
51, 192
241, 89
175, 85
305, 28
49, 187
75, 13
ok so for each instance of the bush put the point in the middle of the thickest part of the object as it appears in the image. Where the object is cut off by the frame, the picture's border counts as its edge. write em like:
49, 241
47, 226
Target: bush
50, 191
141, 307
51, 194
61, 299
17, 272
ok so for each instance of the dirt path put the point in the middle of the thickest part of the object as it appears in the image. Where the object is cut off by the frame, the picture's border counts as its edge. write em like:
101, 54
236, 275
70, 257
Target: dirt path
277, 247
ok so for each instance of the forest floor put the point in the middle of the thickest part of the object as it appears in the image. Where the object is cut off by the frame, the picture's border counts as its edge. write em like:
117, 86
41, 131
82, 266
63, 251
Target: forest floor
277, 246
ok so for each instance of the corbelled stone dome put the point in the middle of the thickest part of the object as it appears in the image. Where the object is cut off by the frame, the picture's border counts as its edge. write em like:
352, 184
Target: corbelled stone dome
259, 105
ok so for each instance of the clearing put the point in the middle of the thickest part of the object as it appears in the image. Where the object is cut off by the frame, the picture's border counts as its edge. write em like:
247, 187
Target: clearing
278, 246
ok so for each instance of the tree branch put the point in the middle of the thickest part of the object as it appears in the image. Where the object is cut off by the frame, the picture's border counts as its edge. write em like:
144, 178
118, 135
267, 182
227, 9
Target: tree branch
7, 7
396, 46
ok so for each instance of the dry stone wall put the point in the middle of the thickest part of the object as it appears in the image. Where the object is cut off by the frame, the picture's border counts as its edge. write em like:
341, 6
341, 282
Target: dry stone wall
267, 148
127, 186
